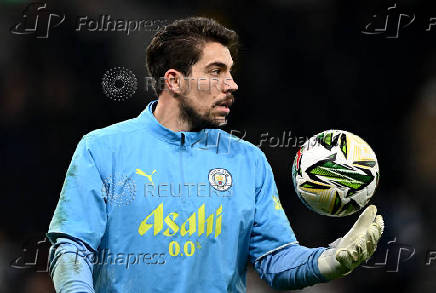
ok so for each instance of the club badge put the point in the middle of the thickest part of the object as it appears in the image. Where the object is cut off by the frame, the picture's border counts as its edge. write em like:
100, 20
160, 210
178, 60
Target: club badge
220, 179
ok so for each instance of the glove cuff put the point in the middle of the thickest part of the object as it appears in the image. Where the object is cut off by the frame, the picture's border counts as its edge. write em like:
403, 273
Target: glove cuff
329, 267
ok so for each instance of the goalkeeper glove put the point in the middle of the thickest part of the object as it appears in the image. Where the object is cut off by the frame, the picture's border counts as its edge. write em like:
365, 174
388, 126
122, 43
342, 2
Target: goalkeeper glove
356, 246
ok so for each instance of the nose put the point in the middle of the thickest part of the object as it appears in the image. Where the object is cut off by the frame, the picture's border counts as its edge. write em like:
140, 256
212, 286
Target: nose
229, 84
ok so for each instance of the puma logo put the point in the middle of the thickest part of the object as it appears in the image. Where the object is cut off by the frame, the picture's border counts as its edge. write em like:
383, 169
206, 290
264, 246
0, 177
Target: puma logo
142, 173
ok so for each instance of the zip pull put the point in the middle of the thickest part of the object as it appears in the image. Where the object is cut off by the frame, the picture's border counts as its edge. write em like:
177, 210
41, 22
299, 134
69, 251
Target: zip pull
183, 139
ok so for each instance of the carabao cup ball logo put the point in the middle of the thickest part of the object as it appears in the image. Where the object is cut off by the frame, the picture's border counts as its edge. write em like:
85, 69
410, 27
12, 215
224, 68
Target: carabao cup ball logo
220, 179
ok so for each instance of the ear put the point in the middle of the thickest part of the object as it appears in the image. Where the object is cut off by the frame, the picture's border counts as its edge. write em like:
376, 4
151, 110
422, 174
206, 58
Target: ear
174, 81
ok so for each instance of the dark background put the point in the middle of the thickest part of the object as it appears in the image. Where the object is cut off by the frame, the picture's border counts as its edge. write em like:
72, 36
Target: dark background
304, 67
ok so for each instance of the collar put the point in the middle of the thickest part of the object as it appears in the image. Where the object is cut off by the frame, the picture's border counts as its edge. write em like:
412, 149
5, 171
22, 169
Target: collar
166, 134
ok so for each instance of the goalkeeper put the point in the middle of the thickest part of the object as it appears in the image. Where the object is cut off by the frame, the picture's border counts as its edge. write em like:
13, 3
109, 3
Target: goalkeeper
168, 202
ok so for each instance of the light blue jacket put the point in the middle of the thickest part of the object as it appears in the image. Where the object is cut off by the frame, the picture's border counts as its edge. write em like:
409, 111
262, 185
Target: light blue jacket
146, 209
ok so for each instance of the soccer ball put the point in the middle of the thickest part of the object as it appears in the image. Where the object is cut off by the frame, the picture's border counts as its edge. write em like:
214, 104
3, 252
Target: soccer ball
335, 173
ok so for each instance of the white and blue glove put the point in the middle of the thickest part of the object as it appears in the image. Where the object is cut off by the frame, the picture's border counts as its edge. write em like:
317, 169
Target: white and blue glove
357, 246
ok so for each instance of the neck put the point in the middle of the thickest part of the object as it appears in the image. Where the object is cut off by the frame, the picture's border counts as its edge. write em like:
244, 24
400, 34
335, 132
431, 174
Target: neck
168, 114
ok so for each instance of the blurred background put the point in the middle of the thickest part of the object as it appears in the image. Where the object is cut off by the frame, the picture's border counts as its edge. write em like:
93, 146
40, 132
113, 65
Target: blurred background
304, 67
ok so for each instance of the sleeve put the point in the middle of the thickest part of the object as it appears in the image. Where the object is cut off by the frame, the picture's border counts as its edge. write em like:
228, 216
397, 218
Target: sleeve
81, 210
271, 228
71, 266
274, 249
291, 267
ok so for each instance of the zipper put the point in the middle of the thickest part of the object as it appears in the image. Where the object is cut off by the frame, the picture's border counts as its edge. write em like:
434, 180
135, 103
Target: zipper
182, 150
182, 142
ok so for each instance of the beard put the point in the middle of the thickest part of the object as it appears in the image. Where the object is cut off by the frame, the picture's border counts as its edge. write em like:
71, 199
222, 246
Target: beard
196, 120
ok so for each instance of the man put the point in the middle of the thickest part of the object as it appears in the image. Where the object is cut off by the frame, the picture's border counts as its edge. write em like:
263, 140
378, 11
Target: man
167, 202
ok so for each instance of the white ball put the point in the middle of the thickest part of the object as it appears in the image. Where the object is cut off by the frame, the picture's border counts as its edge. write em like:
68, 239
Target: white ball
335, 173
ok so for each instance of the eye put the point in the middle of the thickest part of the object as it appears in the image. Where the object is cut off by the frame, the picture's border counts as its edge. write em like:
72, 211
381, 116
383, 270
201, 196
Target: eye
216, 71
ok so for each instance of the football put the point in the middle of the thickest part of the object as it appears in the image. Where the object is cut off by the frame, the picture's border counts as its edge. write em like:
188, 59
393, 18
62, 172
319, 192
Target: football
335, 173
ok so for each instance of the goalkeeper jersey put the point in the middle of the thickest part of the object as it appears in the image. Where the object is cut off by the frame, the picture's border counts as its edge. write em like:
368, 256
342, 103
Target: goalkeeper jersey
164, 211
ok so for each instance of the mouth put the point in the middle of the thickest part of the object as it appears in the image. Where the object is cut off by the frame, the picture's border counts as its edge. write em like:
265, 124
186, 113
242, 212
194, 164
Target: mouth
224, 106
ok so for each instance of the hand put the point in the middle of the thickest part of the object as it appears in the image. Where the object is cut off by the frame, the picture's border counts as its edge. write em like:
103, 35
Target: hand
356, 246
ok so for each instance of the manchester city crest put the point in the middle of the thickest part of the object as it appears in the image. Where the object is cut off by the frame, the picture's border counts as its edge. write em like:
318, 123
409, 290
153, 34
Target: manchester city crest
220, 179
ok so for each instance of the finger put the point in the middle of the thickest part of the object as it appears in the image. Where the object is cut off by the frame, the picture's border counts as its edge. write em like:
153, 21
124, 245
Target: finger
376, 229
374, 233
380, 223
344, 258
364, 248
366, 219
362, 224
371, 245
359, 249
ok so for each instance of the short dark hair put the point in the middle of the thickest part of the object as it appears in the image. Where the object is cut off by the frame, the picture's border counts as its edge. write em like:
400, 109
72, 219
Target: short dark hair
180, 44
